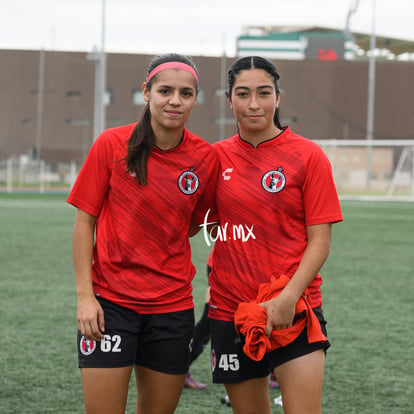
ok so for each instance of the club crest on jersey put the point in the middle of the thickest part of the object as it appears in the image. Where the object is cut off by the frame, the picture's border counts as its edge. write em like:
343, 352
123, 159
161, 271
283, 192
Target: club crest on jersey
274, 181
213, 360
188, 182
87, 346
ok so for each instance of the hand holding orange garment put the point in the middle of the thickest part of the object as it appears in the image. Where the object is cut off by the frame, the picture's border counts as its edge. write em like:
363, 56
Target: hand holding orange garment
250, 320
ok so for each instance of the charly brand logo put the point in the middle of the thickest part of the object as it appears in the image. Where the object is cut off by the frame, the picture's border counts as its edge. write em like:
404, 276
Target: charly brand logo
226, 232
274, 181
188, 182
227, 174
87, 346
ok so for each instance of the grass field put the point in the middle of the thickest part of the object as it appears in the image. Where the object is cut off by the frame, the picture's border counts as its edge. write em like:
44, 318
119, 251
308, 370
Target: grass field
368, 301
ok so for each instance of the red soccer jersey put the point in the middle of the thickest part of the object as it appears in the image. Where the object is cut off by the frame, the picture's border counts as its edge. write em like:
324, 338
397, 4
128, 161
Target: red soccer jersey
142, 257
266, 196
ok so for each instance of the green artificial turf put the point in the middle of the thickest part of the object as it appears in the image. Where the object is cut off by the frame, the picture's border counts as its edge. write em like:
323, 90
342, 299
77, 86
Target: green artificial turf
368, 301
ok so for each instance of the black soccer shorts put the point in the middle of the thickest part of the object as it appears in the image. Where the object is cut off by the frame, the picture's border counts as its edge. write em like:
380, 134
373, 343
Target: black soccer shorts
161, 342
229, 364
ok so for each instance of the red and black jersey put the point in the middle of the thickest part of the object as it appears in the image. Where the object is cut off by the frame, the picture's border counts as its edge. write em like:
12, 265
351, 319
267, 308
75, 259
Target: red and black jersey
142, 257
266, 196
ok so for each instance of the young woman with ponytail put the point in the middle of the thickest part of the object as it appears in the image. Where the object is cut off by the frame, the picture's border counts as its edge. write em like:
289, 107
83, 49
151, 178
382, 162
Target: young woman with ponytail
141, 191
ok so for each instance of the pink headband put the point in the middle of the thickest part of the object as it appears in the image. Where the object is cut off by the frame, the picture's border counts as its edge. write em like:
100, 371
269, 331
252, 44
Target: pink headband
172, 65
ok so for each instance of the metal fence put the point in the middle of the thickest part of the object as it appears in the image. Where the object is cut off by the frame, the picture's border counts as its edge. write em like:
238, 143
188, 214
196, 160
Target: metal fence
24, 174
377, 169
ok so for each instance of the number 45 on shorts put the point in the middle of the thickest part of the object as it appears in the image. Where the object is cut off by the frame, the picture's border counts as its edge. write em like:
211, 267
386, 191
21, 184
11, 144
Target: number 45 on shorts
229, 362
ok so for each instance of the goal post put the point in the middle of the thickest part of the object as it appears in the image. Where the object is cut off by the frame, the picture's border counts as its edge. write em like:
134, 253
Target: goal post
26, 175
374, 168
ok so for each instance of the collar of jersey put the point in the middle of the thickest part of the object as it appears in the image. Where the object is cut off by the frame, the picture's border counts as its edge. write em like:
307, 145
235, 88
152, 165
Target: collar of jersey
160, 150
272, 141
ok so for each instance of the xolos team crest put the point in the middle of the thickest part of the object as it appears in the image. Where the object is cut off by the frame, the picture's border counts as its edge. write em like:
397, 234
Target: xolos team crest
87, 346
274, 181
188, 182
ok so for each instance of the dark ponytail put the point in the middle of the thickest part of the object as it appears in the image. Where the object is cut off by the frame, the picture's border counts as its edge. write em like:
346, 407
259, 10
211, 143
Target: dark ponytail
140, 145
255, 62
142, 139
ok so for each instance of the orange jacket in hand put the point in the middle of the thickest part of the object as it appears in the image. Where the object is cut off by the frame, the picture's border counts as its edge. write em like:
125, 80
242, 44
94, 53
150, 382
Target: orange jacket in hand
250, 320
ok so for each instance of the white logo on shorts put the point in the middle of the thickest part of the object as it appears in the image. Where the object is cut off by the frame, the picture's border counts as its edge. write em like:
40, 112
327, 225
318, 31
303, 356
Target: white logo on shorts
87, 346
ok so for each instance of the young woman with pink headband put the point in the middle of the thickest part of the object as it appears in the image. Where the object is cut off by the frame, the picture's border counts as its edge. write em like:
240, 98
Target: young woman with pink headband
141, 190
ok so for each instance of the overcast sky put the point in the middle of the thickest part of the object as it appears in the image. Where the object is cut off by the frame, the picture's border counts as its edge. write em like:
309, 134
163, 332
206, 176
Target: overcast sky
194, 27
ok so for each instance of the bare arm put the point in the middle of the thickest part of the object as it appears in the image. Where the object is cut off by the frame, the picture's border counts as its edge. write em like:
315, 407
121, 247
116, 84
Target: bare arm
281, 310
90, 316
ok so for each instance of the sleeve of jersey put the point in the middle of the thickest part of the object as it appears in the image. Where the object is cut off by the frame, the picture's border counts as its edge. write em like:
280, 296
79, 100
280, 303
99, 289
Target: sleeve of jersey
320, 198
91, 185
206, 203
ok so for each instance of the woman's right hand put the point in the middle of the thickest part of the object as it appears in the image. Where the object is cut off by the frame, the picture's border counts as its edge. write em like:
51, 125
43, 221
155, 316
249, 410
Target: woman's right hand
91, 321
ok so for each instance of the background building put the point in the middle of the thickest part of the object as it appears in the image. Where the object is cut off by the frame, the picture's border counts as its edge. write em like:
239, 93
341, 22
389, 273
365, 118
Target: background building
320, 43
47, 99
320, 99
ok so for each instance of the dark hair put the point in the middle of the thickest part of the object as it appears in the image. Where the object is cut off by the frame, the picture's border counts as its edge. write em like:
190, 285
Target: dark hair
255, 62
142, 139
